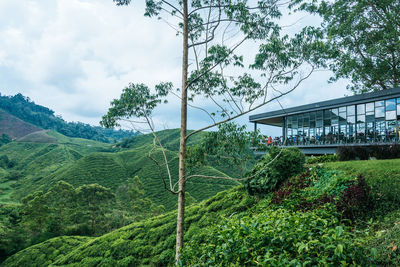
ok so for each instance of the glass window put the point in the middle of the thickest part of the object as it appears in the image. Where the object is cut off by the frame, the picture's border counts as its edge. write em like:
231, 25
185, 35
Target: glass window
360, 128
306, 121
361, 109
398, 100
379, 112
370, 132
360, 118
351, 119
391, 115
319, 114
312, 116
390, 104
370, 117
369, 107
391, 131
379, 103
342, 117
318, 123
398, 112
327, 114
334, 116
342, 109
327, 122
351, 110
380, 131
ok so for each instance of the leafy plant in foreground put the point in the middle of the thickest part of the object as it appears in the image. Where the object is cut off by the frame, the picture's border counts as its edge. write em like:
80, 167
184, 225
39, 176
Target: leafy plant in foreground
274, 169
278, 238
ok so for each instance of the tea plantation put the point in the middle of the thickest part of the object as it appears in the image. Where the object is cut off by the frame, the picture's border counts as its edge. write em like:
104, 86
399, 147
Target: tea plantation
328, 215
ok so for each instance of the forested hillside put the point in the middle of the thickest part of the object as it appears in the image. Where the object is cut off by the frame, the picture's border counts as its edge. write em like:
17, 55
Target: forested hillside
36, 117
328, 215
40, 166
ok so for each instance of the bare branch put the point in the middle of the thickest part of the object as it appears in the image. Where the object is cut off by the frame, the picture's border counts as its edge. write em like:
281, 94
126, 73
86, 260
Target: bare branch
162, 149
196, 107
254, 108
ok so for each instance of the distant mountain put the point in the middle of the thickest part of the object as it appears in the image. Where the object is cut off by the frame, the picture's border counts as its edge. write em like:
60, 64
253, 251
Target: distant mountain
14, 127
20, 116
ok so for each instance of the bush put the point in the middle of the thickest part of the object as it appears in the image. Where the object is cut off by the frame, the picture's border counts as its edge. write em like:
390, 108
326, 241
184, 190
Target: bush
274, 169
365, 152
14, 175
278, 238
322, 159
355, 200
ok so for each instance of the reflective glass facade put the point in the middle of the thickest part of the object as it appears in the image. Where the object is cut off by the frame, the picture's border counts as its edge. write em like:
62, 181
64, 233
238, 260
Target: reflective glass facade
371, 122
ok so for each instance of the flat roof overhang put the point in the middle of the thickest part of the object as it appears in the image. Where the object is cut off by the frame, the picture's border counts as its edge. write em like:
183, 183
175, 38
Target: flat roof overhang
275, 118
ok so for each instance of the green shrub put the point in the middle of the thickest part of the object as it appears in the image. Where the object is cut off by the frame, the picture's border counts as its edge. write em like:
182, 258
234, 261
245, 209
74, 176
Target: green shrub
355, 200
278, 238
365, 152
322, 159
274, 169
382, 176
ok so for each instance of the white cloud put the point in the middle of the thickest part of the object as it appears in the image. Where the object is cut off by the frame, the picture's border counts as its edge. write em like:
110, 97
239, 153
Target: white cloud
75, 56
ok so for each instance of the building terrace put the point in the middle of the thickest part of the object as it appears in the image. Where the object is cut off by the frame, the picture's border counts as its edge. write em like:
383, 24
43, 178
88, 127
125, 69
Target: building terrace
320, 128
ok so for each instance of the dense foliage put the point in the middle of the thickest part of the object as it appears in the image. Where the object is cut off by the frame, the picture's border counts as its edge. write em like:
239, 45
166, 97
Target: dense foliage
27, 168
89, 210
274, 169
5, 139
278, 238
383, 176
26, 110
236, 228
365, 152
322, 159
362, 41
148, 242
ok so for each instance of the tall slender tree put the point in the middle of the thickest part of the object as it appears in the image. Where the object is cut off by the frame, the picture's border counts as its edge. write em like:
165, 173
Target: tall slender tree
234, 79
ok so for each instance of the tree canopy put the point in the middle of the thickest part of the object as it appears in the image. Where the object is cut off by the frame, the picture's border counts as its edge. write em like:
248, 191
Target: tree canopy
362, 41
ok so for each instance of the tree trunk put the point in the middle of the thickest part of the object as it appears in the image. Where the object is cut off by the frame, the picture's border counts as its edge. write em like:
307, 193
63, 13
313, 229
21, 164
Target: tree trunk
182, 147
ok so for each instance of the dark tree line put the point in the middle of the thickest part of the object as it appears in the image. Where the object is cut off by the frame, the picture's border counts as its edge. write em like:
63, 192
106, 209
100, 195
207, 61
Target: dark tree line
26, 110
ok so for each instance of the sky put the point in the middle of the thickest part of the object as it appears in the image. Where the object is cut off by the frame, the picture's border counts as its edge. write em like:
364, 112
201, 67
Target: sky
76, 56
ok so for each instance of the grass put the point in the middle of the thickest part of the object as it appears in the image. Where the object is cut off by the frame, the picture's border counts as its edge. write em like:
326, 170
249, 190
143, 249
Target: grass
383, 176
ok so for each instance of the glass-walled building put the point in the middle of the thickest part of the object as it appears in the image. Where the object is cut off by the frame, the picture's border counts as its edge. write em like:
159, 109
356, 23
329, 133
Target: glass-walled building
360, 119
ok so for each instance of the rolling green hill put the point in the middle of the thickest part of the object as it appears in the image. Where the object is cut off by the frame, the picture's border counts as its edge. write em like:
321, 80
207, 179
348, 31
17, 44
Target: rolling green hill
63, 162
38, 137
240, 223
169, 138
45, 153
81, 161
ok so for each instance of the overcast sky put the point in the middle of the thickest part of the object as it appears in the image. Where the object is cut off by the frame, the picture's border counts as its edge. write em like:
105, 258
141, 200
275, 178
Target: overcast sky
75, 56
